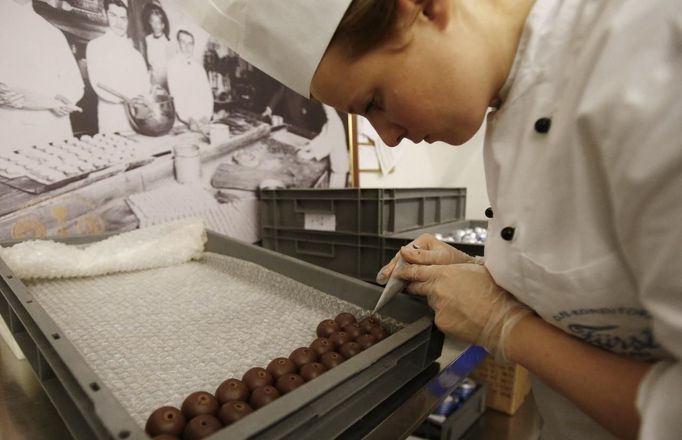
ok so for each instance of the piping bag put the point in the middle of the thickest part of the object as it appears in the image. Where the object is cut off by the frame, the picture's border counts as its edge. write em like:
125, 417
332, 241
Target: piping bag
393, 286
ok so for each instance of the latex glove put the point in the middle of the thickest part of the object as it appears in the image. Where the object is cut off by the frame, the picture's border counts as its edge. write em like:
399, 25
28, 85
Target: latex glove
427, 250
467, 302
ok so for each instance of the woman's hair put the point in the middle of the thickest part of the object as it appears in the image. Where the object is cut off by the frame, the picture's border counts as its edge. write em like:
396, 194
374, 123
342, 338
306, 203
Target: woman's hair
365, 24
118, 3
152, 9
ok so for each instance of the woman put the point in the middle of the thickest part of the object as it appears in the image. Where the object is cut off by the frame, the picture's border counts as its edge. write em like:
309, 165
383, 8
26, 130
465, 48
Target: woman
581, 282
159, 46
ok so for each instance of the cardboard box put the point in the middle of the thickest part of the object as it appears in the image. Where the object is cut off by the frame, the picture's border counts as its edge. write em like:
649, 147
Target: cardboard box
508, 385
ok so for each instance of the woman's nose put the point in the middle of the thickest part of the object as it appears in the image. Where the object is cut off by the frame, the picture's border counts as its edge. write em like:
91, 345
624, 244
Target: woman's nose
389, 132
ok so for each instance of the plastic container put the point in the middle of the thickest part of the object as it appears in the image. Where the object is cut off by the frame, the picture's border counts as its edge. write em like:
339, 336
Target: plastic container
339, 401
360, 256
361, 211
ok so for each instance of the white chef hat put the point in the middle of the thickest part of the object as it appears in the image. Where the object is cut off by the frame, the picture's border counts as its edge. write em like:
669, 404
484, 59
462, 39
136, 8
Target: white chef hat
284, 38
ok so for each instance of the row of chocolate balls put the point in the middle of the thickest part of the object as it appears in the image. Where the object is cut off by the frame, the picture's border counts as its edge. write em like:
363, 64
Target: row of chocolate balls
338, 339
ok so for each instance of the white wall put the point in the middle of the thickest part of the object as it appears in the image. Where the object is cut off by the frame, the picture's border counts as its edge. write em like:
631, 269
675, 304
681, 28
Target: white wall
439, 165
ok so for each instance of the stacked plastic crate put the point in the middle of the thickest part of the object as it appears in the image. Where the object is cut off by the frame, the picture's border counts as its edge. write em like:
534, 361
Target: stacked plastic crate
355, 231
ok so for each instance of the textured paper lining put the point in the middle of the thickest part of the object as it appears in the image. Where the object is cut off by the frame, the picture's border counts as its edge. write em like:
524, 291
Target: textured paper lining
157, 335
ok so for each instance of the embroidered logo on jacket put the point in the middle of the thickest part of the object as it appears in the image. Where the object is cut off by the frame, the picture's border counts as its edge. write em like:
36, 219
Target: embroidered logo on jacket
609, 338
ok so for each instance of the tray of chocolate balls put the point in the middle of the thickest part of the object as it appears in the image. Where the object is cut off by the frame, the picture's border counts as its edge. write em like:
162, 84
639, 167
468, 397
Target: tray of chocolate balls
202, 413
244, 343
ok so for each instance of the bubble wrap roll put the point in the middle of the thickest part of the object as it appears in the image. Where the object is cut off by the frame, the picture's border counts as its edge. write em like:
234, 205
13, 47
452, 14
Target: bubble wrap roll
147, 248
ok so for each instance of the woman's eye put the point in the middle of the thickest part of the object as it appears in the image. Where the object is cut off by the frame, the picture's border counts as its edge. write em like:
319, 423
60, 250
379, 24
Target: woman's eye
372, 105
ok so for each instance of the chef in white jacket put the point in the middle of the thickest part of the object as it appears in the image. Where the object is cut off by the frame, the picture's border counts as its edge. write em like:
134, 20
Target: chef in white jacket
582, 280
331, 143
115, 63
40, 80
188, 84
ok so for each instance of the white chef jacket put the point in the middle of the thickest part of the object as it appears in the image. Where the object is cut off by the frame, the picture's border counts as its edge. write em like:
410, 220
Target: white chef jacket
595, 199
159, 51
115, 63
34, 56
188, 84
332, 142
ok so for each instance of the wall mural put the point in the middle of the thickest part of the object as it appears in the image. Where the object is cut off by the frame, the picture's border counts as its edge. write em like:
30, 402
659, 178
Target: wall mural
122, 114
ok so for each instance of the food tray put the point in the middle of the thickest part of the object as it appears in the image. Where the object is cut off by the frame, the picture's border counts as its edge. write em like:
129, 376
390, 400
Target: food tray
84, 387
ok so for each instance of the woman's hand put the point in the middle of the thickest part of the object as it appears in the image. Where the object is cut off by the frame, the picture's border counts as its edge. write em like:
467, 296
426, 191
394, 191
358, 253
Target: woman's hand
63, 107
468, 303
11, 98
426, 250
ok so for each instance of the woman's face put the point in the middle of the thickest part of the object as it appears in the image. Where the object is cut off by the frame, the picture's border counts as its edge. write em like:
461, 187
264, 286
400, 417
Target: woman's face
429, 82
156, 23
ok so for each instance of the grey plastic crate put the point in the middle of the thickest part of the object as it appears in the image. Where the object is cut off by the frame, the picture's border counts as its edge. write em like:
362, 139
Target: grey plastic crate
360, 256
361, 211
332, 407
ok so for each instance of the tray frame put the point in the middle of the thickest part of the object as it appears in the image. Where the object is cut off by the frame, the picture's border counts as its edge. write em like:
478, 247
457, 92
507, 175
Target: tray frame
337, 400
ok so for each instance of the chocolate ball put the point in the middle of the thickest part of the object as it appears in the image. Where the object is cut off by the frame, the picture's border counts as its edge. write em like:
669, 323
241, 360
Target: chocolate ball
165, 437
353, 330
339, 338
233, 411
350, 349
365, 341
326, 328
369, 322
379, 333
344, 319
232, 389
280, 366
201, 427
302, 356
198, 403
331, 359
262, 396
166, 420
321, 346
257, 377
312, 370
289, 382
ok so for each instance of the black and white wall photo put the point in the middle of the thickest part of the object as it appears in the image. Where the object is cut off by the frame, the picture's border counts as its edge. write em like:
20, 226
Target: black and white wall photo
120, 114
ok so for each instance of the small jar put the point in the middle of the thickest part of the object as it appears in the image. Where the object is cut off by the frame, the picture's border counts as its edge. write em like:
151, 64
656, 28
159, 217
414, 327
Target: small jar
187, 164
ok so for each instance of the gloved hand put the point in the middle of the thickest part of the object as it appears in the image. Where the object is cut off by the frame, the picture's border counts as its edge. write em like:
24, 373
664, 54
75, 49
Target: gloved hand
468, 303
426, 250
